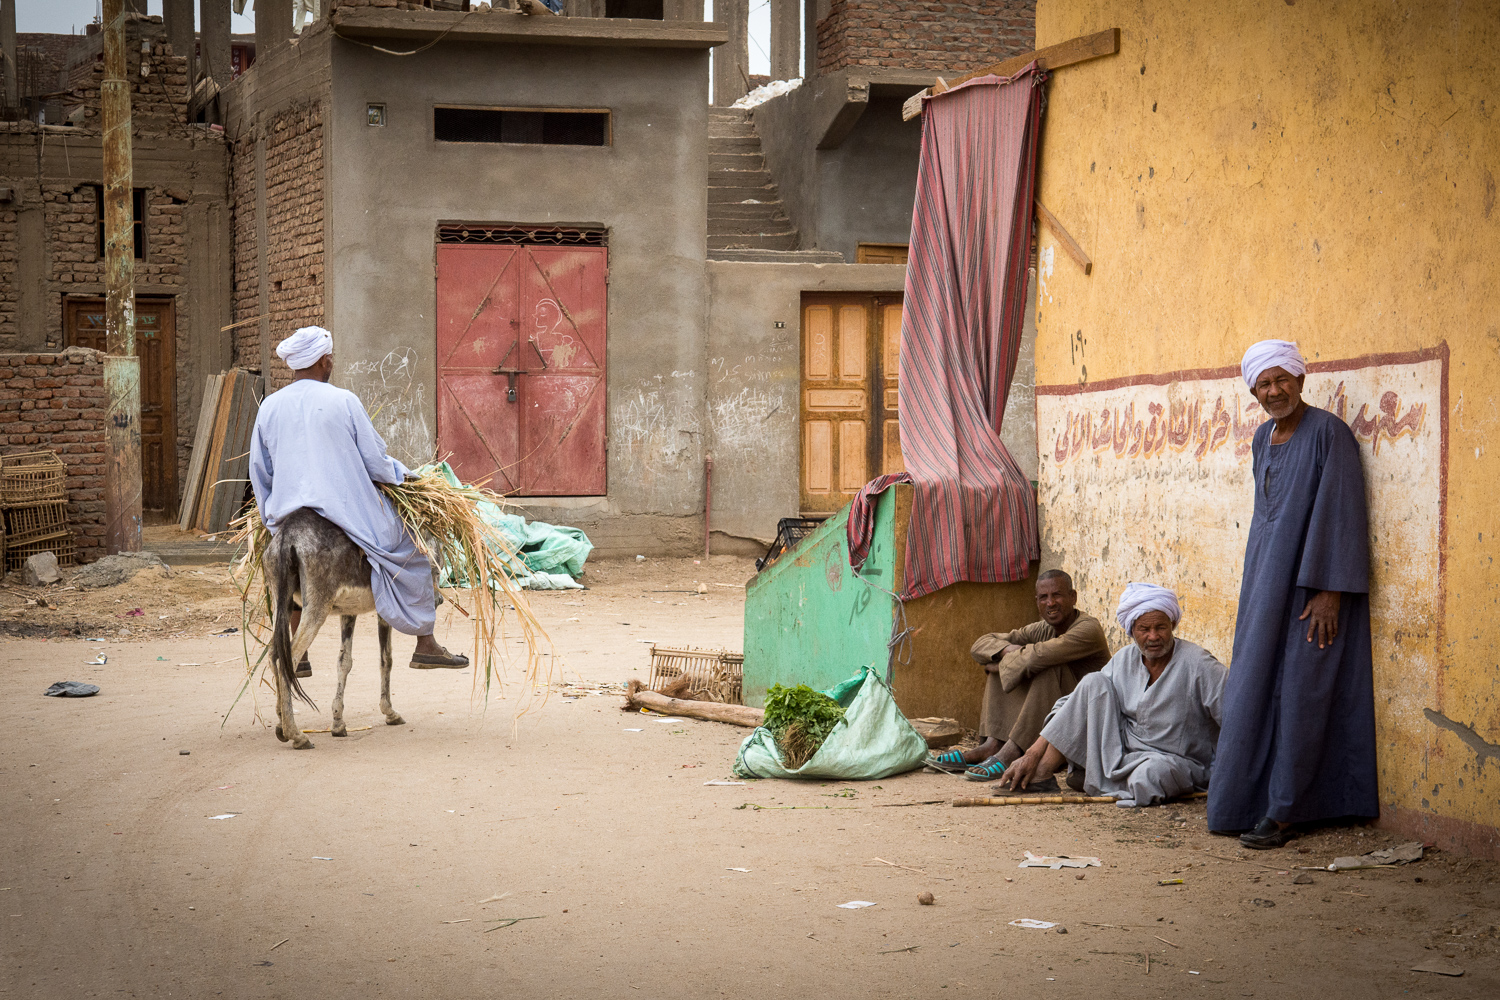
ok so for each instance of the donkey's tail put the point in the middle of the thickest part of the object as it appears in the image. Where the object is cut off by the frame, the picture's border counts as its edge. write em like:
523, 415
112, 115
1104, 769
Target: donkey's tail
281, 633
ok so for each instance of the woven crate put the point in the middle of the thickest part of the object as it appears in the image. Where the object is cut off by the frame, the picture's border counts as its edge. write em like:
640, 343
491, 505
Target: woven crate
716, 673
35, 520
31, 477
60, 545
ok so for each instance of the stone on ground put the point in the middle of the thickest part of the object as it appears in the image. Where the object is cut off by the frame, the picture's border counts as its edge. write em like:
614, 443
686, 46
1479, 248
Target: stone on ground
41, 569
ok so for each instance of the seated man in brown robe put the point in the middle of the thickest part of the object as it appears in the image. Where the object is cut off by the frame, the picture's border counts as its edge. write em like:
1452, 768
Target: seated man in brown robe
1026, 671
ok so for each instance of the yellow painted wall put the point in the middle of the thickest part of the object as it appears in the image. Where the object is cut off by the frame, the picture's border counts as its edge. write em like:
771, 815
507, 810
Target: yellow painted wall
1323, 172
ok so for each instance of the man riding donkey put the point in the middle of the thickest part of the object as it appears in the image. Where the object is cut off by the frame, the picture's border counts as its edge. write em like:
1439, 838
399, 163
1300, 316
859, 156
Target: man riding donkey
315, 448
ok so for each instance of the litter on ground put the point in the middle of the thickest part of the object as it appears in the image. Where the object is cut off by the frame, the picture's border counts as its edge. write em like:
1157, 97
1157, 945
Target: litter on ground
1061, 861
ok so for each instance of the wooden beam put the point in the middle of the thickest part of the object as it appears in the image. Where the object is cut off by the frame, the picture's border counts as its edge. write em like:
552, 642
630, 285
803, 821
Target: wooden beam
1074, 50
1066, 239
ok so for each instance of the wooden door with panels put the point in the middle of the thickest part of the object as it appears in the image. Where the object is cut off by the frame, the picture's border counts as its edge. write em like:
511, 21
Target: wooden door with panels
156, 345
851, 352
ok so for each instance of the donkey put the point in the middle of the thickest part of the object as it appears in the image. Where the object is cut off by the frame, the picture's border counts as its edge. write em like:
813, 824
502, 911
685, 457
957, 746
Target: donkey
312, 562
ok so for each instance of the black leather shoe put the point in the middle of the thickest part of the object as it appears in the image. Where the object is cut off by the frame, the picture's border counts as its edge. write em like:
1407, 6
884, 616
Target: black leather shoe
304, 667
1267, 836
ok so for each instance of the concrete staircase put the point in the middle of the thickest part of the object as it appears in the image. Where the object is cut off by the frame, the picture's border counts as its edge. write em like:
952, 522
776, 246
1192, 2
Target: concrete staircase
744, 207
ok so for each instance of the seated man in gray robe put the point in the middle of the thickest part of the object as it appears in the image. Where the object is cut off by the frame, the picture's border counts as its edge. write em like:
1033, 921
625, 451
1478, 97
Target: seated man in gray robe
1026, 671
1144, 728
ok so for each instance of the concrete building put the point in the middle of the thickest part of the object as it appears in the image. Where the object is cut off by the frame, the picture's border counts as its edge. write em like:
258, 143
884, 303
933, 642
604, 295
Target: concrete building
543, 255
1264, 170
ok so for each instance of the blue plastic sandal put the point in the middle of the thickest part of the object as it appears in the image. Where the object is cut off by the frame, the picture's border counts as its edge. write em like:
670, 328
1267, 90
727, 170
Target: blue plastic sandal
987, 770
951, 762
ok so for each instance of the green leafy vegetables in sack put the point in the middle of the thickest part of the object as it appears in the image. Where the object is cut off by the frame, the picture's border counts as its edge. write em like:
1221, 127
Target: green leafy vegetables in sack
800, 719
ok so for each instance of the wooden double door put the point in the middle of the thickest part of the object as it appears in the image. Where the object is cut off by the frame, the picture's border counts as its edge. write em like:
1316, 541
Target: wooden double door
851, 353
156, 344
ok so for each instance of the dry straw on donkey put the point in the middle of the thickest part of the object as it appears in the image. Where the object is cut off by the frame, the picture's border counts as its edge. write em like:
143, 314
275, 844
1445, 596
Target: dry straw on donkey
445, 521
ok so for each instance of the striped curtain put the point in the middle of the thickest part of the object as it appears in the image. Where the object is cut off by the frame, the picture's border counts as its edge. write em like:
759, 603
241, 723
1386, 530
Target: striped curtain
974, 512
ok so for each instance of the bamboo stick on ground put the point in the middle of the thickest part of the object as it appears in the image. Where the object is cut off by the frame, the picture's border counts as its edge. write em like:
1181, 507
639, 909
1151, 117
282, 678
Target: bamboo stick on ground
1033, 800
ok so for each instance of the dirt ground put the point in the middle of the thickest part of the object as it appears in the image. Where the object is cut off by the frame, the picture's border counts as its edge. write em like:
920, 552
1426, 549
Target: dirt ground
413, 861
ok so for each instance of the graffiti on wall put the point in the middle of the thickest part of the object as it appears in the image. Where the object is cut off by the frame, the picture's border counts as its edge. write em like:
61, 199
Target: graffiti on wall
393, 396
1150, 479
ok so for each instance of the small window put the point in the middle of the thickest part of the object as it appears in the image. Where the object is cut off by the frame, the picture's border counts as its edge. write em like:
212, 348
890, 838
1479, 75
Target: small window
533, 126
645, 10
881, 253
137, 214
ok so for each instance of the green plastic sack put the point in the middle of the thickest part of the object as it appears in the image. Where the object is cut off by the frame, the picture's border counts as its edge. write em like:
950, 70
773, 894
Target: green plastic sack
873, 740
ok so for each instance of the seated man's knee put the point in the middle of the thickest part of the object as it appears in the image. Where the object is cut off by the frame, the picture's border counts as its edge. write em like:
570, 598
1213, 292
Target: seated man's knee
1093, 683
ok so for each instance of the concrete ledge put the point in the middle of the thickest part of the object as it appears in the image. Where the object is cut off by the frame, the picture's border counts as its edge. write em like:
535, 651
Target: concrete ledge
777, 256
373, 24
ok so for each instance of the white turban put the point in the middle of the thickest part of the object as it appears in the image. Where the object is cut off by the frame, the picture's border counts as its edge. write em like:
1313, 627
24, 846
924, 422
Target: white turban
1142, 597
304, 348
1271, 354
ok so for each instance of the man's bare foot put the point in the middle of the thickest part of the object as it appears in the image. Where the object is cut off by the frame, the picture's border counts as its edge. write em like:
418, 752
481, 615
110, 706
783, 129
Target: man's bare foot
983, 752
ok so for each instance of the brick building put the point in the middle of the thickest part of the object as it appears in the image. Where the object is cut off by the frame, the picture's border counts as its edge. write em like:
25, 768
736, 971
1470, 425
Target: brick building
51, 254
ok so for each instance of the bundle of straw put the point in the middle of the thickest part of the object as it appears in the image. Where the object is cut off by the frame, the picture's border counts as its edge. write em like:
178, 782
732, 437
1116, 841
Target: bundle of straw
444, 520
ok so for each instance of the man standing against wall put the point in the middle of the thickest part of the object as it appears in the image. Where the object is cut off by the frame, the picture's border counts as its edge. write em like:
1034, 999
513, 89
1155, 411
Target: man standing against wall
1298, 737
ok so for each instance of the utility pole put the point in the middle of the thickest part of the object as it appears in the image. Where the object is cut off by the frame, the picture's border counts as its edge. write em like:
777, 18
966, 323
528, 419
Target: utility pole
122, 369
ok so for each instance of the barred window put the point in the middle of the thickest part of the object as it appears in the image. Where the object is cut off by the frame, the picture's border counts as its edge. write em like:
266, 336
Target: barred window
530, 126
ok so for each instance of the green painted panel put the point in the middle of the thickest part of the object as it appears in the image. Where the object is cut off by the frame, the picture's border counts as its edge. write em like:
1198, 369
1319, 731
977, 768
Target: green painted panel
810, 620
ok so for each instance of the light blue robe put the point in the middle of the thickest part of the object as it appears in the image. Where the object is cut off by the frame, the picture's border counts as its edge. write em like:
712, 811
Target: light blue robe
314, 447
1139, 741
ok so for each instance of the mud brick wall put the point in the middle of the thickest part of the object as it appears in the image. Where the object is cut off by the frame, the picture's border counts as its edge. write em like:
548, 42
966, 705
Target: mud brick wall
9, 294
294, 233
949, 38
158, 100
56, 402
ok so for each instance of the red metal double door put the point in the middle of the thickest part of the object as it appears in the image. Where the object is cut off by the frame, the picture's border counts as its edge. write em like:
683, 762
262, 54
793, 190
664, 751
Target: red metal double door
521, 355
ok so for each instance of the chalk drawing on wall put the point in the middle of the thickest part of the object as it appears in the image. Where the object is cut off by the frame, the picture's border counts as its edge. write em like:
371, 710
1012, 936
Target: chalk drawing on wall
1150, 479
394, 398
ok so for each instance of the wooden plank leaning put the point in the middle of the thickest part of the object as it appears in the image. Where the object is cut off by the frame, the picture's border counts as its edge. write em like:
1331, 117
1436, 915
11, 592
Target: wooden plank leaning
1074, 50
203, 439
234, 460
211, 458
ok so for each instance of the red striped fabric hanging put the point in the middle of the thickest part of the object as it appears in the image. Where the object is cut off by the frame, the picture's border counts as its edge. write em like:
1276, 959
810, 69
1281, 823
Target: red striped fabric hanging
973, 512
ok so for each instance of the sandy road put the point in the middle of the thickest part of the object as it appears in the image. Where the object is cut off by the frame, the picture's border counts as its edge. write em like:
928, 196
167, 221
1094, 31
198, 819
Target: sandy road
117, 882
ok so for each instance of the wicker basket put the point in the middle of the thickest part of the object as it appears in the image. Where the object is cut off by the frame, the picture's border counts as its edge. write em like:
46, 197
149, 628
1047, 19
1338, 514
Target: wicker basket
35, 520
717, 673
59, 544
31, 477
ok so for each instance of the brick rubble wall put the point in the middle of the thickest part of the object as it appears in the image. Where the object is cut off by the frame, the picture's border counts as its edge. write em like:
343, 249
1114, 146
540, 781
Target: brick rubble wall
949, 38
158, 100
294, 234
9, 294
56, 402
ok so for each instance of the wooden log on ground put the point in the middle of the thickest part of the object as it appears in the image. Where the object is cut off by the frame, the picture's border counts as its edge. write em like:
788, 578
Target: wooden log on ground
638, 696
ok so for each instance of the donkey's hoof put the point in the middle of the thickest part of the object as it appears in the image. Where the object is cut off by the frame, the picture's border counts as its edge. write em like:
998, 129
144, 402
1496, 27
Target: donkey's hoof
395, 720
280, 735
302, 744
340, 731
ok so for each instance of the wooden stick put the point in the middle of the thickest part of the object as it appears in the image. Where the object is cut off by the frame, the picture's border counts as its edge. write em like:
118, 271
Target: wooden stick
1074, 50
1038, 800
1165, 941
1066, 239
243, 322
712, 711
